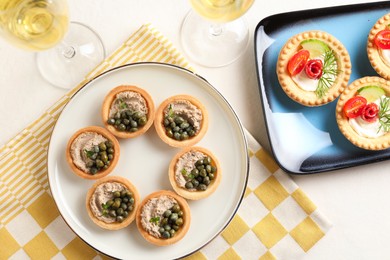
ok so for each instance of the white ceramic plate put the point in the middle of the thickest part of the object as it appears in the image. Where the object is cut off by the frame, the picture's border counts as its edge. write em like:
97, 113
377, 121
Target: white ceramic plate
145, 159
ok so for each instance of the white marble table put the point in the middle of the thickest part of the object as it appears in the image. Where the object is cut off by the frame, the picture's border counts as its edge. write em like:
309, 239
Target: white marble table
355, 200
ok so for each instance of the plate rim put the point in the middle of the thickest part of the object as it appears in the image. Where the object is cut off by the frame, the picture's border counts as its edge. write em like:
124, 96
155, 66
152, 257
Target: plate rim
240, 128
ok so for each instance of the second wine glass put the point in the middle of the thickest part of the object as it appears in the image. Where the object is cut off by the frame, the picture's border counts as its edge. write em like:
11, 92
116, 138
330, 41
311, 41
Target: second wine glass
214, 33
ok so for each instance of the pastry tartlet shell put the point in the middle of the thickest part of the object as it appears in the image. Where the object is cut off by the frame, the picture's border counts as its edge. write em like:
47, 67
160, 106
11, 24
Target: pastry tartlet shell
380, 143
159, 119
104, 132
309, 98
179, 234
111, 96
194, 195
373, 52
129, 218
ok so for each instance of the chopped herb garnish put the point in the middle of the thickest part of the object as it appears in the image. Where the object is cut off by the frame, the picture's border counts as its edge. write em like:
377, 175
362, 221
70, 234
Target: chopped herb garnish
170, 111
122, 104
88, 153
154, 220
184, 172
384, 114
329, 73
105, 209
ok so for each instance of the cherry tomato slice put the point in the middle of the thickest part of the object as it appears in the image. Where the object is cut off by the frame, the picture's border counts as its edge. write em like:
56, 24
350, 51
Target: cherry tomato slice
354, 106
313, 68
297, 62
382, 39
370, 112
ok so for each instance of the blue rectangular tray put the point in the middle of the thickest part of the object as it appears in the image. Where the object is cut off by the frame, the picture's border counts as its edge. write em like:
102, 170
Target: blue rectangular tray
307, 140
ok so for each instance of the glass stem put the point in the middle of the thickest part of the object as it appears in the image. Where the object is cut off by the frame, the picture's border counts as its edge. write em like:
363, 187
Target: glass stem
216, 29
69, 52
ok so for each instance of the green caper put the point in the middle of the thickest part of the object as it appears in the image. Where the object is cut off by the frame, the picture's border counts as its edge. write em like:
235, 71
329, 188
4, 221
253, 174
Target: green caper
166, 234
119, 219
133, 129
93, 170
116, 194
126, 121
176, 136
116, 204
180, 213
123, 206
109, 203
118, 122
111, 121
195, 183
179, 120
167, 227
176, 208
191, 133
203, 173
175, 227
90, 164
131, 200
117, 115
109, 144
104, 157
121, 127
172, 232
164, 222
125, 214
167, 213
142, 121
184, 136
112, 213
102, 146
96, 149
110, 157
166, 122
195, 172
169, 133
137, 115
202, 187
110, 150
179, 222
173, 217
119, 212
213, 169
211, 176
184, 125
199, 162
133, 123
161, 230
189, 185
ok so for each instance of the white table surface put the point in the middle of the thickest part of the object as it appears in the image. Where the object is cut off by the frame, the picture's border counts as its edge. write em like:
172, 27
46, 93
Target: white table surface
355, 200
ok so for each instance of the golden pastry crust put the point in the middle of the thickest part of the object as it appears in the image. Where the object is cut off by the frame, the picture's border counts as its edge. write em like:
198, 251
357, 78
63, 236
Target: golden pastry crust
111, 96
159, 119
309, 98
194, 195
129, 218
373, 52
99, 130
380, 143
179, 234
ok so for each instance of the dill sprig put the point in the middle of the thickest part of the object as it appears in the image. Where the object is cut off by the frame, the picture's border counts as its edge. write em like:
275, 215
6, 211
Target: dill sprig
329, 73
384, 114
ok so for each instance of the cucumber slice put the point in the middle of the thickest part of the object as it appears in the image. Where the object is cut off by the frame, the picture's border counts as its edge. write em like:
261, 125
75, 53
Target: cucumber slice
315, 47
371, 93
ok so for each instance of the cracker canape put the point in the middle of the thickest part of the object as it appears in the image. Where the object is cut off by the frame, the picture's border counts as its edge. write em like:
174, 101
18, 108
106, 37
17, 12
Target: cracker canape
92, 152
378, 46
112, 202
163, 218
313, 68
194, 173
363, 113
181, 121
128, 111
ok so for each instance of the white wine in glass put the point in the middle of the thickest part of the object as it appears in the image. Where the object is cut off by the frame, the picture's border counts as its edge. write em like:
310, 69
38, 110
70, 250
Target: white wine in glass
215, 33
66, 51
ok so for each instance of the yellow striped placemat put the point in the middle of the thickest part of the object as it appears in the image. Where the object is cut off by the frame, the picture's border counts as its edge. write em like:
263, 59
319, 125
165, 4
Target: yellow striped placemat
276, 220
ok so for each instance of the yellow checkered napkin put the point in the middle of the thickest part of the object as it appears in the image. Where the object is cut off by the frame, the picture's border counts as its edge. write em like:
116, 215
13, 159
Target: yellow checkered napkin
276, 220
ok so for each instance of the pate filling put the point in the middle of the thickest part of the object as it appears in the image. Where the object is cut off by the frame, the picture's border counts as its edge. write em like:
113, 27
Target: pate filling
102, 194
154, 209
187, 110
82, 143
184, 165
128, 100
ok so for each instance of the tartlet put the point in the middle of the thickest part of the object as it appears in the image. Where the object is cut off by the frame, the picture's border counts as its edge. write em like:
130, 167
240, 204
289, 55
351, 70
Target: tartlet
181, 121
82, 154
128, 111
155, 221
374, 52
327, 77
194, 173
353, 126
100, 210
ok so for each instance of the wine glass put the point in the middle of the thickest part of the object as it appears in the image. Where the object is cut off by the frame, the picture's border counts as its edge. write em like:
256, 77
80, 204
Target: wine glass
66, 51
214, 33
